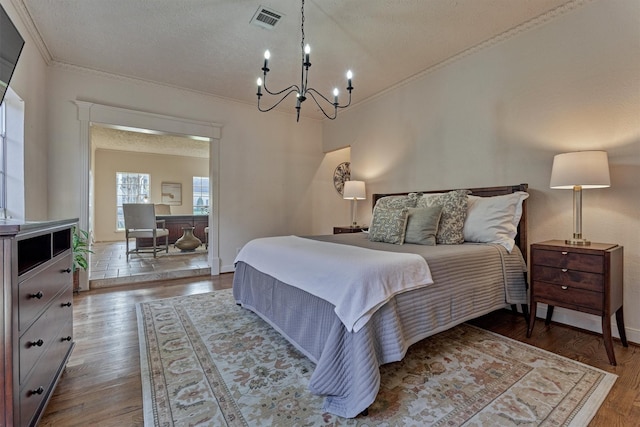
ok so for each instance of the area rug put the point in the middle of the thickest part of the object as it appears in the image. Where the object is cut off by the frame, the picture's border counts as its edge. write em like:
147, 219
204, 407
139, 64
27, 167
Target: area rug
207, 361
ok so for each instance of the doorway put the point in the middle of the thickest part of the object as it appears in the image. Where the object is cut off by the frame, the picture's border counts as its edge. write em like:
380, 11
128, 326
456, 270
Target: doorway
125, 119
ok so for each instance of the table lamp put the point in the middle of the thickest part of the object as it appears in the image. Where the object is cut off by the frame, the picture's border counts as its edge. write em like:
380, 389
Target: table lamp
577, 171
354, 191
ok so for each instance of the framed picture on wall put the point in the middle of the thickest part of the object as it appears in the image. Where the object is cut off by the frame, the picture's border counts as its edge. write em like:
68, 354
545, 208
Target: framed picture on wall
172, 193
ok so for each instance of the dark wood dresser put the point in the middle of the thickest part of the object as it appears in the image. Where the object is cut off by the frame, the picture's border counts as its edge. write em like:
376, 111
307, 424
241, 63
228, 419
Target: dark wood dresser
582, 278
37, 320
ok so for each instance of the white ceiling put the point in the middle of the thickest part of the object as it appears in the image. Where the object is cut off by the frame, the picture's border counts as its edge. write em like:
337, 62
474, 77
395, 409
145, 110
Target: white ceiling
209, 46
120, 139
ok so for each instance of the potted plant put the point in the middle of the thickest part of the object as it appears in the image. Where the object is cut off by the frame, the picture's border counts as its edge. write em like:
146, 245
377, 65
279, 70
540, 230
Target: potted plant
80, 249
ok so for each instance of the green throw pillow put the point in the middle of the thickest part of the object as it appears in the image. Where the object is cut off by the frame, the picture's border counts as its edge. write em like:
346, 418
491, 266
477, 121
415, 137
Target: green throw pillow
422, 225
454, 212
388, 225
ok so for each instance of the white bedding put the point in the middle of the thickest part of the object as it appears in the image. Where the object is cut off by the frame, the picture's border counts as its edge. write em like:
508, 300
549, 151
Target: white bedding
367, 278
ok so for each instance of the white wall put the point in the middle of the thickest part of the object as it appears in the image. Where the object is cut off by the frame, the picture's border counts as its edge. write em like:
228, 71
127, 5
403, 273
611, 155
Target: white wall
268, 162
29, 82
160, 167
329, 209
499, 115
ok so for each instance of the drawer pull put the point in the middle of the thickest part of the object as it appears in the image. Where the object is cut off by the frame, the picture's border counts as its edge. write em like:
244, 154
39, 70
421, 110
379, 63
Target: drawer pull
36, 343
67, 338
38, 295
564, 270
564, 252
564, 288
68, 270
66, 304
39, 390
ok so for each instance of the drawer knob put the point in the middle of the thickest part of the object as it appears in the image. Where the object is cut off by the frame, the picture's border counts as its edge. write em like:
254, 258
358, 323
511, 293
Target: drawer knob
68, 270
66, 304
37, 343
38, 295
564, 288
67, 338
564, 270
564, 252
39, 390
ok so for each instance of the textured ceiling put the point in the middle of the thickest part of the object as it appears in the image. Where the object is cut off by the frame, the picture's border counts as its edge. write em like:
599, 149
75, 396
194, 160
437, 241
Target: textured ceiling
105, 138
209, 46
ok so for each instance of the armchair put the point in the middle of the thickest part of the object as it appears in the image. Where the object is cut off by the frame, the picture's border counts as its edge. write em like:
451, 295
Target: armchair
140, 221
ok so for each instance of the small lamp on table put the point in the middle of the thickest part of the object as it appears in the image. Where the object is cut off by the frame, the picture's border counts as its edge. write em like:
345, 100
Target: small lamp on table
577, 171
354, 191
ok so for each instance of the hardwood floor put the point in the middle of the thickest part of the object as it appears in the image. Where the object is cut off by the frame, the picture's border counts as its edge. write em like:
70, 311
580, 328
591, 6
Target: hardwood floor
101, 385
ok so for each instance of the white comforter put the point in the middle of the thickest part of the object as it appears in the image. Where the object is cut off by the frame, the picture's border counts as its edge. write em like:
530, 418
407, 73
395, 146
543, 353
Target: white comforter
365, 278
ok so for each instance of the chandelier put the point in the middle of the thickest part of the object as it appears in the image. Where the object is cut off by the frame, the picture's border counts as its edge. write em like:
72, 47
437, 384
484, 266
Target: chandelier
303, 90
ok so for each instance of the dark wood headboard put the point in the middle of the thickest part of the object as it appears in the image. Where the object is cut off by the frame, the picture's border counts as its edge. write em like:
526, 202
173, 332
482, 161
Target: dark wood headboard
521, 237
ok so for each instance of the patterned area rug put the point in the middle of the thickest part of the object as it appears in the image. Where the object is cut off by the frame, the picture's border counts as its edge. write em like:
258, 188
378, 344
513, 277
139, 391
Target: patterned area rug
206, 361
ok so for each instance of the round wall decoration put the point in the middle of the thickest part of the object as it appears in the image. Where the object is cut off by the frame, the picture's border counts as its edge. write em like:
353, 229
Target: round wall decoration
340, 175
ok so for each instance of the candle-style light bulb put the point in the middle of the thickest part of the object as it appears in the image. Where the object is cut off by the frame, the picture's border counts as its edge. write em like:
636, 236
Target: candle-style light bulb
349, 76
307, 51
267, 55
335, 96
259, 85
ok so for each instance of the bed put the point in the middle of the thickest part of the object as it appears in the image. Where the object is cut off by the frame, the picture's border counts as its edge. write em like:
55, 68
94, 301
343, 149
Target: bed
464, 280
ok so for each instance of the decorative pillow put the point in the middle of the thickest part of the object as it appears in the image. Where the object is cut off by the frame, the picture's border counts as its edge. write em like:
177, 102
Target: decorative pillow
422, 225
454, 212
494, 219
398, 202
388, 225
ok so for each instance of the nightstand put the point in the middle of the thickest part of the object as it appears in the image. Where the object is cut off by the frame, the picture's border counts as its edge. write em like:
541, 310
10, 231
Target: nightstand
582, 278
348, 229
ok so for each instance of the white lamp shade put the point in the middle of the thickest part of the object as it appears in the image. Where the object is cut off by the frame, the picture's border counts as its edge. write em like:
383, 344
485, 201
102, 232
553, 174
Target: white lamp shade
588, 169
354, 190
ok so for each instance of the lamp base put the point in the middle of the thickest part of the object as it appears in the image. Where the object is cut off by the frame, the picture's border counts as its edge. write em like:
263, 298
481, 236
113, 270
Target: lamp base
577, 242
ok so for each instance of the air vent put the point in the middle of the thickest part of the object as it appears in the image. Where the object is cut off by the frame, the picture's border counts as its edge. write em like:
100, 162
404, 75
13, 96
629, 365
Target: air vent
266, 18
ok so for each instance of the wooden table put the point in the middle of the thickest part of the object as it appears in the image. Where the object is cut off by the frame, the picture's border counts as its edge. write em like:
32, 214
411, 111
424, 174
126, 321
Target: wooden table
175, 224
582, 278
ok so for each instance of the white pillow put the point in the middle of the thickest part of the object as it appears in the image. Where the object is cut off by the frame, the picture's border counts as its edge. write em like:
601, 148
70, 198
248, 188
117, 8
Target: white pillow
494, 219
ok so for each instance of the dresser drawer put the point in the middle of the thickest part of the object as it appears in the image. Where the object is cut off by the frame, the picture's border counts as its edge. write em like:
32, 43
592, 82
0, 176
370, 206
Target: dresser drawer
44, 333
44, 374
569, 297
572, 278
569, 260
38, 291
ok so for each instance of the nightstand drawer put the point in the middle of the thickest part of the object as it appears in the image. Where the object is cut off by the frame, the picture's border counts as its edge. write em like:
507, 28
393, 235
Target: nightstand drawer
584, 278
568, 297
568, 260
566, 277
347, 229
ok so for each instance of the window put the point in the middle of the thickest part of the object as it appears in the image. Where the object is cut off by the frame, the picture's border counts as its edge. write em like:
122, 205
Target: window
3, 163
12, 164
130, 188
201, 195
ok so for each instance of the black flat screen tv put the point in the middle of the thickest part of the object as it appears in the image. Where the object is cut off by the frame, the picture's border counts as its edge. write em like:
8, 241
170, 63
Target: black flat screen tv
11, 43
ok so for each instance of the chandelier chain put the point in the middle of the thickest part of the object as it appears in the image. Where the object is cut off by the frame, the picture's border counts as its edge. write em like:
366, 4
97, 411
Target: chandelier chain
302, 29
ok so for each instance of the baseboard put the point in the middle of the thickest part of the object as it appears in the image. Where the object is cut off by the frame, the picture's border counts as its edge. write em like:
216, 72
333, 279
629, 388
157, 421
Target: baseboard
227, 268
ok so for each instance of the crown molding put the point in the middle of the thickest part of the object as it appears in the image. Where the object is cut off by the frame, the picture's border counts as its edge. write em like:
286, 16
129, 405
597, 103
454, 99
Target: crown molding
140, 81
26, 19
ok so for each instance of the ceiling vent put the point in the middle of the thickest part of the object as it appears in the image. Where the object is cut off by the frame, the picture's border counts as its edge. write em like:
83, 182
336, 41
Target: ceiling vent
266, 18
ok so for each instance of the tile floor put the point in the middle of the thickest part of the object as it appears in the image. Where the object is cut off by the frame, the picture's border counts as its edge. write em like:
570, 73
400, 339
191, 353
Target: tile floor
109, 266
